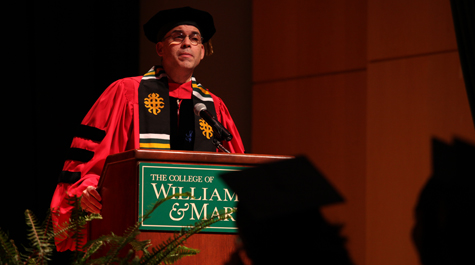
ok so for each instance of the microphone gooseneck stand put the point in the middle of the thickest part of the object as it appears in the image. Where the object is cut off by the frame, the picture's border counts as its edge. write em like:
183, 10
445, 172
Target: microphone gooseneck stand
220, 146
221, 134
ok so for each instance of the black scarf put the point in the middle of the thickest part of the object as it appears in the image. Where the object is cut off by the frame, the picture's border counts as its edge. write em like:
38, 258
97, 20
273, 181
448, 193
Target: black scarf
157, 111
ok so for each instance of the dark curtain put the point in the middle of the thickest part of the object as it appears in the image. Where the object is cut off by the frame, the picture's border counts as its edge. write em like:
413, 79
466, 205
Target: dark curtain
60, 56
463, 13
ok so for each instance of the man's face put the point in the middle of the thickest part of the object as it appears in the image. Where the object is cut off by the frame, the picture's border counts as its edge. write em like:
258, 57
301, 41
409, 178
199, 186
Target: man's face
184, 55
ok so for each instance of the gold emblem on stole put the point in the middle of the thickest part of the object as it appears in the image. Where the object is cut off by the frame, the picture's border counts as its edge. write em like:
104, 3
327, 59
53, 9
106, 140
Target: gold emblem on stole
154, 103
206, 129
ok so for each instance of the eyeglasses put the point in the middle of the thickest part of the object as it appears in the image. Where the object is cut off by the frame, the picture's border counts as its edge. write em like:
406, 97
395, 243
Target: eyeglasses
179, 37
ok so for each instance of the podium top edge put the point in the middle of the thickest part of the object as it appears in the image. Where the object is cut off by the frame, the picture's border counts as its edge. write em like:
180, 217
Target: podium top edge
147, 155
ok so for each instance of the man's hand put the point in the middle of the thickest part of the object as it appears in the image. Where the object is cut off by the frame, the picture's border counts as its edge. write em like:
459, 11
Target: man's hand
91, 200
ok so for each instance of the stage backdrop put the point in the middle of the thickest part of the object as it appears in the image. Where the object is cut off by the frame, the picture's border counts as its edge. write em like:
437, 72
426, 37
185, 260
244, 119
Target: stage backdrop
361, 87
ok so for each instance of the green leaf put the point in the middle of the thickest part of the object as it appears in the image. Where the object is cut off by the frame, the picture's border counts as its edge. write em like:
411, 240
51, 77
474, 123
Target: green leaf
41, 239
8, 251
38, 238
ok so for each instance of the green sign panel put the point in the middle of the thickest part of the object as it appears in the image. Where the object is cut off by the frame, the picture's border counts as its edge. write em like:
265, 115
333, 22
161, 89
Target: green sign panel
210, 195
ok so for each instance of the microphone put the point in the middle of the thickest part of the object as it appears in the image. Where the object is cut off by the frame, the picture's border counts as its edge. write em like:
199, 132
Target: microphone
222, 134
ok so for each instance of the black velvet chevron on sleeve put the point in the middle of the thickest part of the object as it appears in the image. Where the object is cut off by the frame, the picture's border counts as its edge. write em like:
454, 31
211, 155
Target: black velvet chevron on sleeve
69, 177
91, 133
79, 154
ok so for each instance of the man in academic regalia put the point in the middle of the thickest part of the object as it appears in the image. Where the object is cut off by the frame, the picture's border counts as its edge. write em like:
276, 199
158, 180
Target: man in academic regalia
154, 111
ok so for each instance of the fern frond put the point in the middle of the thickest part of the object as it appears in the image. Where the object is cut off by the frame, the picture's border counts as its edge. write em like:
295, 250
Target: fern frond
141, 245
47, 226
180, 252
88, 252
134, 261
90, 248
176, 254
8, 251
28, 259
118, 243
35, 232
17, 257
77, 222
71, 225
38, 239
130, 256
76, 225
132, 232
168, 248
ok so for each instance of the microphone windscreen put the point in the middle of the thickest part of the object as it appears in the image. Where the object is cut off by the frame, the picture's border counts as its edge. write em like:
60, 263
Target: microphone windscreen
198, 108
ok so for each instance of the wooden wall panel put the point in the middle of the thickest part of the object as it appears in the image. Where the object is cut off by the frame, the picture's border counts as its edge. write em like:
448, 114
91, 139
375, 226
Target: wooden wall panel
324, 119
309, 60
305, 38
410, 101
315, 96
409, 27
304, 113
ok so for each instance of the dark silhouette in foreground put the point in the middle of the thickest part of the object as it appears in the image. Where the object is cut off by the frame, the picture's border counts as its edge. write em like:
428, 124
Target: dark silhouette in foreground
444, 229
279, 218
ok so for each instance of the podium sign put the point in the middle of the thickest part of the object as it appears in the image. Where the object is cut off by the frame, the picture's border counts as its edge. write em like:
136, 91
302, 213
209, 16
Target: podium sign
210, 195
131, 180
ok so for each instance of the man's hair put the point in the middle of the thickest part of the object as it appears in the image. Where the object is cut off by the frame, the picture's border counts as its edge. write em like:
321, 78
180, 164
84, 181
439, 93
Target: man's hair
208, 48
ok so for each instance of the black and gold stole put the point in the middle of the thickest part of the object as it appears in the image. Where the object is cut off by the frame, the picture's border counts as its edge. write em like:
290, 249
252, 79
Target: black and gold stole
155, 115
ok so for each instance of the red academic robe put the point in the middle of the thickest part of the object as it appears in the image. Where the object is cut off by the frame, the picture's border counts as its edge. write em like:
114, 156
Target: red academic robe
116, 112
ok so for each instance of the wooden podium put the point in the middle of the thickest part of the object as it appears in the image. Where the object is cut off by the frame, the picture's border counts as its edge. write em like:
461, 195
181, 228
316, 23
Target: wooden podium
118, 187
